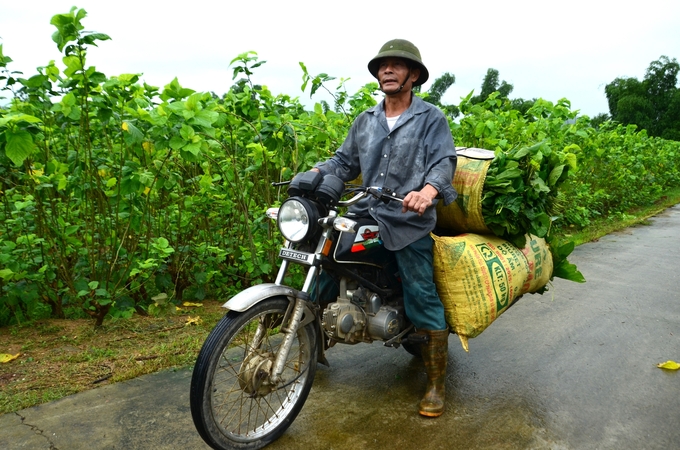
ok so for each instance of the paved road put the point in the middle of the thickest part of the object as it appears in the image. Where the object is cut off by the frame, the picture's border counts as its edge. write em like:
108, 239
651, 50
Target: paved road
574, 368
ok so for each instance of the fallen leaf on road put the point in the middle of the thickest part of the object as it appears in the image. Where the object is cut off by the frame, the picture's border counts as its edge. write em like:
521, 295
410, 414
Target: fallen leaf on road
5, 358
192, 304
670, 365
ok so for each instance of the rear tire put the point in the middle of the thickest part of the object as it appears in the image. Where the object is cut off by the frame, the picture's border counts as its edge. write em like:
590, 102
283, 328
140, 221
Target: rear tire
234, 404
414, 349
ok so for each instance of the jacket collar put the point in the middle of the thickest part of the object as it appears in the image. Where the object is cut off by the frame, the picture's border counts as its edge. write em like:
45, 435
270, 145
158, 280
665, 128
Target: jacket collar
417, 107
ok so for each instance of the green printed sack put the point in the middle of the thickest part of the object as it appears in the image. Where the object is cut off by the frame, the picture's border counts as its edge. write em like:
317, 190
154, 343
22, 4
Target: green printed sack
479, 276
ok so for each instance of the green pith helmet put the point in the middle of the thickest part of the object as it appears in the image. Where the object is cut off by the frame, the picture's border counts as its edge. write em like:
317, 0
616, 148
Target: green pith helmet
400, 48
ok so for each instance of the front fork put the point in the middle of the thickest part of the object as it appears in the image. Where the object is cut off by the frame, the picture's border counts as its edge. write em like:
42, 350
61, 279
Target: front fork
297, 317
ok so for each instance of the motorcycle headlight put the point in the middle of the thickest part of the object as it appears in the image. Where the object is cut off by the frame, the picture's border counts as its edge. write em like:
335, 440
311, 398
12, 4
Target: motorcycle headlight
297, 219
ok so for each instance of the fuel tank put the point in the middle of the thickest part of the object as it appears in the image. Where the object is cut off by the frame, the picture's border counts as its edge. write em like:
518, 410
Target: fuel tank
362, 247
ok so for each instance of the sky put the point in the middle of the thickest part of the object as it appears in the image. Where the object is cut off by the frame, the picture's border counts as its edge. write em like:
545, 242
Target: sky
546, 49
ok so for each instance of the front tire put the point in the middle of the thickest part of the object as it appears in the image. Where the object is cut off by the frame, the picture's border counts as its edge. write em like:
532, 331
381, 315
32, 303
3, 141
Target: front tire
234, 404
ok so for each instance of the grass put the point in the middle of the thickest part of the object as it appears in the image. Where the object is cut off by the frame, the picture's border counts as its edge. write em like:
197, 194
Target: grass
639, 216
63, 357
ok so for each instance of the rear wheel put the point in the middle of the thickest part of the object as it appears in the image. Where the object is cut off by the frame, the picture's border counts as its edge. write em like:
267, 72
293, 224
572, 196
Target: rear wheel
234, 402
414, 349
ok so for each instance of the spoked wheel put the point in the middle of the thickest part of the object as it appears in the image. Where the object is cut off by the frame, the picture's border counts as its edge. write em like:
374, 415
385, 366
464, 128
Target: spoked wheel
235, 404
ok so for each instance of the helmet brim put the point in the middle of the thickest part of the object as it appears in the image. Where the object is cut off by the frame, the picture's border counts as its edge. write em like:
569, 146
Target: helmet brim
374, 64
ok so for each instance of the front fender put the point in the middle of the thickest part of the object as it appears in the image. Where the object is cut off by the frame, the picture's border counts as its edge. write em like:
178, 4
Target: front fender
255, 294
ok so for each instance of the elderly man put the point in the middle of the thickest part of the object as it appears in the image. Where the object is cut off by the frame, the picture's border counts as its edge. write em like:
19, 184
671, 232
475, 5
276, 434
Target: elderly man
405, 144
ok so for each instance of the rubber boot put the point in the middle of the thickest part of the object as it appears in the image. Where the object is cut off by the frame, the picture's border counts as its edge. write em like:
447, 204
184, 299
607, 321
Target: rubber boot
435, 355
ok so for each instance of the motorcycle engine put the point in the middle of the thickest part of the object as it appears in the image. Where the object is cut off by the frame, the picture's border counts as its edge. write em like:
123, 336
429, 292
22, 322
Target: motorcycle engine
361, 317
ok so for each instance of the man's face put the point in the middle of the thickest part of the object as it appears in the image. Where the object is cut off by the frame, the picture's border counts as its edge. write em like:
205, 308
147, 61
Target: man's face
393, 72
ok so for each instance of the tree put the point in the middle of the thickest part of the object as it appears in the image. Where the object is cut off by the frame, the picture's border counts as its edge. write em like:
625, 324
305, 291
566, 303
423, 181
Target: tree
653, 103
437, 91
439, 87
491, 85
599, 120
522, 105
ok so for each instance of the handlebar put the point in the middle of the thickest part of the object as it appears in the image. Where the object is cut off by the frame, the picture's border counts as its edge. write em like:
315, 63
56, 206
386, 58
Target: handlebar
383, 194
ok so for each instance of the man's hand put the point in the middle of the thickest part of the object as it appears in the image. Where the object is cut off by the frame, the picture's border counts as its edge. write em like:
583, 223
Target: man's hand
418, 202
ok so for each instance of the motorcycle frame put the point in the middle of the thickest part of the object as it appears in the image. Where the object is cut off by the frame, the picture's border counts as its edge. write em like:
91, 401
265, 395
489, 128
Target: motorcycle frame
301, 310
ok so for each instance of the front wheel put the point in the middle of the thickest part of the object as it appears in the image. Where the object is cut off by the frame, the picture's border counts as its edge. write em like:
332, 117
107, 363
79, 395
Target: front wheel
234, 402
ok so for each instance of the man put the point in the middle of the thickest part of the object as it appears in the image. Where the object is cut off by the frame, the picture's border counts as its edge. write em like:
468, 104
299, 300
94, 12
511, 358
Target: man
405, 144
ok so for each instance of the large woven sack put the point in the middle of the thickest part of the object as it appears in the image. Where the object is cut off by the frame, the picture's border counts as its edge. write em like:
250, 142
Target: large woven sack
465, 214
479, 276
540, 263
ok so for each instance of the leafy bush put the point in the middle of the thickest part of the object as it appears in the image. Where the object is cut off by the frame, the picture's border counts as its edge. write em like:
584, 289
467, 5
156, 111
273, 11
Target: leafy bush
119, 197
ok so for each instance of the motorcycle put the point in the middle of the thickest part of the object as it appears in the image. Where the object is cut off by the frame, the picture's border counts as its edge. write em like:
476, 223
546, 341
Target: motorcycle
256, 368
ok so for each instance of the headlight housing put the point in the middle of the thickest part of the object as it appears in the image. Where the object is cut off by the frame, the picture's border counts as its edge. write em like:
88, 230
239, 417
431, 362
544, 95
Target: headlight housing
298, 219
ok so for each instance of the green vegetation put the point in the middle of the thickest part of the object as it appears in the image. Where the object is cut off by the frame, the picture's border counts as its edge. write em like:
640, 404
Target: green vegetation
652, 104
121, 199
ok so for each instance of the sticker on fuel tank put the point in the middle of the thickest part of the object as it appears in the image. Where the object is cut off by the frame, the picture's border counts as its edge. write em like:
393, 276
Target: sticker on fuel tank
368, 236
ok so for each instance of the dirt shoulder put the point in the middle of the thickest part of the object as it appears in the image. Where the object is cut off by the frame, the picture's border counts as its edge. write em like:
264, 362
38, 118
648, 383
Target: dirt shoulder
61, 357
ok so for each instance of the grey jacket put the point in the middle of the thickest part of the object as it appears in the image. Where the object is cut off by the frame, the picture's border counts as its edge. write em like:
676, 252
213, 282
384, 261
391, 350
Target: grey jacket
418, 151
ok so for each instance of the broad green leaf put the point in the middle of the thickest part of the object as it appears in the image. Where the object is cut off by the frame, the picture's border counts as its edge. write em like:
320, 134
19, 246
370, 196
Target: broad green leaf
133, 135
571, 160
187, 132
510, 173
161, 242
541, 225
177, 107
206, 181
540, 185
193, 147
568, 271
555, 175
204, 118
519, 153
6, 274
73, 65
193, 102
19, 145
16, 118
176, 142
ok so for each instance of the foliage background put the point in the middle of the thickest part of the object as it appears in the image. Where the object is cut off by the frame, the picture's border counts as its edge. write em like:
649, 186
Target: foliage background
121, 198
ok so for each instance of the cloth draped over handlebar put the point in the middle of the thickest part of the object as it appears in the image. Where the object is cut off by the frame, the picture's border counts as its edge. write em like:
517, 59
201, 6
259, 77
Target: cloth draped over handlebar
480, 277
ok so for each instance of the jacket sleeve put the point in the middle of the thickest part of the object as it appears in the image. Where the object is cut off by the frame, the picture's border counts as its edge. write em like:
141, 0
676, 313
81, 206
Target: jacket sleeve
344, 164
441, 154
